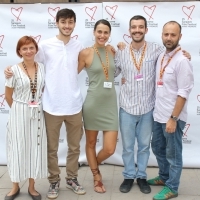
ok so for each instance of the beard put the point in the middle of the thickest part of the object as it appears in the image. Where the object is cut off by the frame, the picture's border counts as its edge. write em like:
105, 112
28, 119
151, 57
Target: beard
137, 40
171, 46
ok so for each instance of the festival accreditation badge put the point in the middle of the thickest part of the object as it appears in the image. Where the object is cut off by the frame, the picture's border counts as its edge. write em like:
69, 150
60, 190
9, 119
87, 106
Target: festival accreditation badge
139, 77
107, 85
160, 83
32, 104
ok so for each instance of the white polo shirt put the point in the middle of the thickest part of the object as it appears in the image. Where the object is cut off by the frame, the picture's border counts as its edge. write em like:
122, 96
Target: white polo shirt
177, 80
62, 94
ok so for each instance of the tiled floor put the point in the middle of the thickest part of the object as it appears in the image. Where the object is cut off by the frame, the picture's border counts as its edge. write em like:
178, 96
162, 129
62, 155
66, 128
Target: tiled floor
112, 178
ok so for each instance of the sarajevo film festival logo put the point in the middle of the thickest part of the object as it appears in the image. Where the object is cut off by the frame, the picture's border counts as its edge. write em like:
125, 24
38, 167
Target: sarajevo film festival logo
188, 10
127, 38
36, 38
17, 12
90, 12
149, 11
2, 99
1, 41
75, 37
111, 10
185, 130
53, 12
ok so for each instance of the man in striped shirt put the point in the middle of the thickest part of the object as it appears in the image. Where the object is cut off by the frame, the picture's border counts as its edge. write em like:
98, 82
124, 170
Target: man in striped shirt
137, 63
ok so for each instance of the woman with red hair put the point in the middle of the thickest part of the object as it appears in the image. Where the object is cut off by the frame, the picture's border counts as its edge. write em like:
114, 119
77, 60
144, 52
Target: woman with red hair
26, 132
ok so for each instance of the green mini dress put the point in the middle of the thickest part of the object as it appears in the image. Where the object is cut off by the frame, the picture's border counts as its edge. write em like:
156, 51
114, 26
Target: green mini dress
100, 107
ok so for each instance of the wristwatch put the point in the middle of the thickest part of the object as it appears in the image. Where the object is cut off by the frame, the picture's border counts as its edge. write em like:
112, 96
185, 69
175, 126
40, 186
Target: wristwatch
174, 118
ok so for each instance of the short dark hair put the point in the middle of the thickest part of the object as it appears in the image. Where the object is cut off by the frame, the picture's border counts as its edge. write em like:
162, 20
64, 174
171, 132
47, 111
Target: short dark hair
65, 13
137, 17
173, 22
102, 21
25, 40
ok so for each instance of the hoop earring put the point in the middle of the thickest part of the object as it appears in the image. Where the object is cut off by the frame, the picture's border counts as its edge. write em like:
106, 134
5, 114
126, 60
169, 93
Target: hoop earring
93, 38
110, 39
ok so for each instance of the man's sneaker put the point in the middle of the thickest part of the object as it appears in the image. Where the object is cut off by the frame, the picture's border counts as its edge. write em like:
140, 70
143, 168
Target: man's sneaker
165, 194
155, 181
143, 185
126, 185
75, 186
53, 190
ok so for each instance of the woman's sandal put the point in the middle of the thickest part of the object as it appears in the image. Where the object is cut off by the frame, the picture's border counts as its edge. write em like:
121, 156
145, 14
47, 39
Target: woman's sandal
98, 183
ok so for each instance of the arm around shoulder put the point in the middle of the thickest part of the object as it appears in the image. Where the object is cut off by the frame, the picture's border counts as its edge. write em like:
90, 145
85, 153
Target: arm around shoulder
8, 72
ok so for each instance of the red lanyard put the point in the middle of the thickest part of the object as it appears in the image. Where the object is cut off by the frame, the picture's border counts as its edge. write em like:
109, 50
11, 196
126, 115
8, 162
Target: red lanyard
162, 69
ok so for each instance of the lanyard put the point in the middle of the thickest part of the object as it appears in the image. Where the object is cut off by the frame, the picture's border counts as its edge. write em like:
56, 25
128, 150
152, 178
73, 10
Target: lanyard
162, 69
138, 66
105, 67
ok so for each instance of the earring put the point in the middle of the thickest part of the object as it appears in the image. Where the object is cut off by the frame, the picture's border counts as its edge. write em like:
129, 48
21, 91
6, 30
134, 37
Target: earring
93, 38
110, 39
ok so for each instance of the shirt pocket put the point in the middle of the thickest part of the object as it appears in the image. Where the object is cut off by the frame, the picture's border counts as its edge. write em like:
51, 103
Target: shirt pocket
169, 76
169, 70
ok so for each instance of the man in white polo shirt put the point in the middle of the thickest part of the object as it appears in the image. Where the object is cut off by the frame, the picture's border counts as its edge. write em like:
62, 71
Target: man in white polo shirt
62, 100
174, 82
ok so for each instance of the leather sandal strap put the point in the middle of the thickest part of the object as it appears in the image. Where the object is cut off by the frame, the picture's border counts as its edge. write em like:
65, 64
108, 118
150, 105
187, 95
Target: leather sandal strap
99, 184
95, 171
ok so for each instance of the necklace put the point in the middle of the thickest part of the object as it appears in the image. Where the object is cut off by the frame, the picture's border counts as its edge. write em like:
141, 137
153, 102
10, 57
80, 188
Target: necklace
138, 66
105, 67
33, 85
162, 69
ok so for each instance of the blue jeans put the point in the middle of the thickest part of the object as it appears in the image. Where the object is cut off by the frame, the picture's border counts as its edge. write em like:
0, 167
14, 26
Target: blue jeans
167, 148
135, 127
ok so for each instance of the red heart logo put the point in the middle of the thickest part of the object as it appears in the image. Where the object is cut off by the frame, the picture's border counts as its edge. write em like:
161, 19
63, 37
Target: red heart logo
75, 37
91, 11
36, 38
185, 130
188, 11
149, 10
2, 96
111, 10
1, 40
17, 12
198, 97
53, 11
127, 38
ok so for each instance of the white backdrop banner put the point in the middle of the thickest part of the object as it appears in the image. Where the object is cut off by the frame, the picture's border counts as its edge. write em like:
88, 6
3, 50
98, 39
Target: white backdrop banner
38, 21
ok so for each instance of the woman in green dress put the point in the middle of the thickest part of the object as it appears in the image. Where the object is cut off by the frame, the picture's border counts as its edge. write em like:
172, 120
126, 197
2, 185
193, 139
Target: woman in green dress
100, 111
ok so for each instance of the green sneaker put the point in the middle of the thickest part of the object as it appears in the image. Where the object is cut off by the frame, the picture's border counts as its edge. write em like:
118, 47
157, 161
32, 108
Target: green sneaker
164, 194
155, 181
